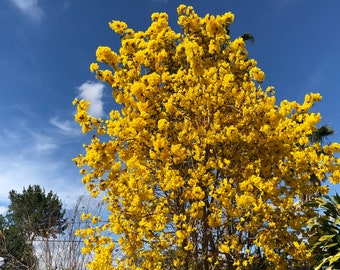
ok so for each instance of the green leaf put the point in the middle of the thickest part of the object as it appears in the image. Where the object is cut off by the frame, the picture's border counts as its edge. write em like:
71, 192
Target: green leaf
327, 237
334, 259
336, 221
321, 264
330, 245
311, 204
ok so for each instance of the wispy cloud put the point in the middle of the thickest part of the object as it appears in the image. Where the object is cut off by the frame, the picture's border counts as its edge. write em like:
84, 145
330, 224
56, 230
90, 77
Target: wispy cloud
31, 141
50, 173
3, 209
317, 77
37, 156
30, 8
66, 127
283, 4
43, 143
67, 4
93, 92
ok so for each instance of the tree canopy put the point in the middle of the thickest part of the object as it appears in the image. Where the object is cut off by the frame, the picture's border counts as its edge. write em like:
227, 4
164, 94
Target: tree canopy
200, 168
36, 213
15, 252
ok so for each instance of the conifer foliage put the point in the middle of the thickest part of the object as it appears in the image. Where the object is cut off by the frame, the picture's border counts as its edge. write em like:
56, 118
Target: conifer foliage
36, 213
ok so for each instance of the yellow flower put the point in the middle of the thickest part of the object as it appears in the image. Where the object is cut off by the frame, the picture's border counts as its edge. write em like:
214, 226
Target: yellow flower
94, 67
118, 26
197, 156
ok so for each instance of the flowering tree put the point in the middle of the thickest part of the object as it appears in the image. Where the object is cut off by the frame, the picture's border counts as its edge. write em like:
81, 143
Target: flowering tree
200, 169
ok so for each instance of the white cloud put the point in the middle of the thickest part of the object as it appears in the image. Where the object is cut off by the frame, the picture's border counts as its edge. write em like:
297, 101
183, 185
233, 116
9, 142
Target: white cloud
43, 143
31, 157
3, 210
21, 135
66, 127
93, 92
49, 173
30, 8
10, 136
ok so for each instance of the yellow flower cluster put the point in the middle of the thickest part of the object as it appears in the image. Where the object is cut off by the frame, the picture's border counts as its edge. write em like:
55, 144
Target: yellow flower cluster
200, 166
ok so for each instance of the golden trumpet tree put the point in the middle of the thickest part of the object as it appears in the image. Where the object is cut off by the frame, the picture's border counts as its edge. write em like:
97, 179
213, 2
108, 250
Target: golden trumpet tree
199, 168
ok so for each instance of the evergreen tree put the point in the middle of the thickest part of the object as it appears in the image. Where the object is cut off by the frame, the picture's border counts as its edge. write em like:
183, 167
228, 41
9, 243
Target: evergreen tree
36, 213
15, 252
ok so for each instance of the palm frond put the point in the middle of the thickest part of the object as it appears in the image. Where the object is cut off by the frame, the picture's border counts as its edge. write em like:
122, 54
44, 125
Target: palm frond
248, 37
321, 133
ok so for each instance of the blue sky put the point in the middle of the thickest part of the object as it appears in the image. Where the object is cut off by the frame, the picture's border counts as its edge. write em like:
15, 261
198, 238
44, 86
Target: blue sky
47, 46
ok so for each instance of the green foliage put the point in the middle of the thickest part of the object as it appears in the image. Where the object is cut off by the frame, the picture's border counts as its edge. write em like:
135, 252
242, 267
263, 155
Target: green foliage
318, 136
325, 240
249, 37
36, 213
321, 133
31, 214
15, 252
